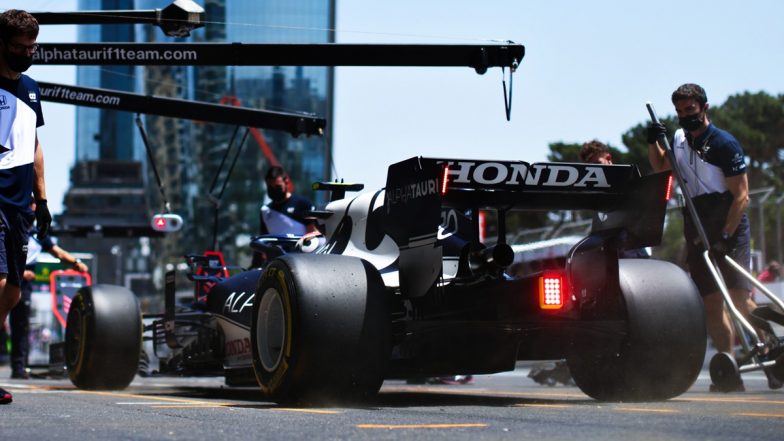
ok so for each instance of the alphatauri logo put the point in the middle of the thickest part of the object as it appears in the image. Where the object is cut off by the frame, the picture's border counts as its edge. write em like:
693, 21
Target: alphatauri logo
413, 190
516, 174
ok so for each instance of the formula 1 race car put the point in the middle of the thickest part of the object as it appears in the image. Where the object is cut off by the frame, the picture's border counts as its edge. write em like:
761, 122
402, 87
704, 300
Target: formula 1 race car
402, 288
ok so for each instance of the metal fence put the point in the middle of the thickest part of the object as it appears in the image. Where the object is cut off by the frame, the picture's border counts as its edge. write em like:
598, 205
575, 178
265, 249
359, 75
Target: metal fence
760, 199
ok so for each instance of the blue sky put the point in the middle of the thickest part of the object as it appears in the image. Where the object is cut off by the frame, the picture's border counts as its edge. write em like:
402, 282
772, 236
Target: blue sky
588, 71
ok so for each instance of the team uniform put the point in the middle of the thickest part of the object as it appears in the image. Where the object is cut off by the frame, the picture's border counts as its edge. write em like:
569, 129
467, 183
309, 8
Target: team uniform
634, 253
20, 116
712, 157
287, 217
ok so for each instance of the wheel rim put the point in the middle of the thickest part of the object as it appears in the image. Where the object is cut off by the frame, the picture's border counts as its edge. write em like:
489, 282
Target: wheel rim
724, 371
271, 329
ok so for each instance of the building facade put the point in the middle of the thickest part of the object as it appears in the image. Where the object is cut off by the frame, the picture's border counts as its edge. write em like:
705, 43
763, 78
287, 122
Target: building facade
188, 154
105, 134
107, 181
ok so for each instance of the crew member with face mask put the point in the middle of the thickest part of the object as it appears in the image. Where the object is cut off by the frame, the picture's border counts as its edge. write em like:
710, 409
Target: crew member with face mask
713, 168
286, 213
21, 156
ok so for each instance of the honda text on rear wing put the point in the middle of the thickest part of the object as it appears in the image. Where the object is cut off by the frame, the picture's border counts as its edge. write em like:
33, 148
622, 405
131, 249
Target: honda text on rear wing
629, 208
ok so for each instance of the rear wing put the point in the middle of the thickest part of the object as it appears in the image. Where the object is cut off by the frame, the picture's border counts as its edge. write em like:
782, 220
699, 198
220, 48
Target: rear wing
419, 189
478, 184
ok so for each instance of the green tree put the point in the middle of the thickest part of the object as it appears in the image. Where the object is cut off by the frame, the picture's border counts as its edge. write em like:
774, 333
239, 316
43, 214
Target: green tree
755, 119
636, 142
563, 152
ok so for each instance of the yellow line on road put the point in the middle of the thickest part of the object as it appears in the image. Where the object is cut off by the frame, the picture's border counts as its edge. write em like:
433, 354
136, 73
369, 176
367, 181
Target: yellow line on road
578, 395
192, 406
547, 406
207, 405
185, 403
566, 395
720, 399
151, 397
419, 426
482, 392
759, 414
643, 409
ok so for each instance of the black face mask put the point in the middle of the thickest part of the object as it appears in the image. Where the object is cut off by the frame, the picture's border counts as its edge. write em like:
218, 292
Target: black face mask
692, 122
277, 194
18, 63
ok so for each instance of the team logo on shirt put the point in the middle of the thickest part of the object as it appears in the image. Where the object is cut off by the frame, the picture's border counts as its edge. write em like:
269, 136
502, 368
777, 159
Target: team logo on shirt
33, 97
738, 164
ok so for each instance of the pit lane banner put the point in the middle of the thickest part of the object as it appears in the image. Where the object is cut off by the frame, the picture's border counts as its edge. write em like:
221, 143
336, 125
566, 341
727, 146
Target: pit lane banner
294, 123
479, 57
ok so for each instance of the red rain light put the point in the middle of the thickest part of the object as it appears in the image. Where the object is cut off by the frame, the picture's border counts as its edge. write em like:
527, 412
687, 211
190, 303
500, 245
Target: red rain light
166, 222
444, 180
551, 291
668, 194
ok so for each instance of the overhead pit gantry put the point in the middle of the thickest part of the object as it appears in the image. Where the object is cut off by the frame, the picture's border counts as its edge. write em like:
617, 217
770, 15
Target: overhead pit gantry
182, 16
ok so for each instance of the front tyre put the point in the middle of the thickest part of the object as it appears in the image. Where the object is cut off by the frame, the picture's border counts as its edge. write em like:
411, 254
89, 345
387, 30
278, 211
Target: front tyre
320, 329
663, 351
103, 338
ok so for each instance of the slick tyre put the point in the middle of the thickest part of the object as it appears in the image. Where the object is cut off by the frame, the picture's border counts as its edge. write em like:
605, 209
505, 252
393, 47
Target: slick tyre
320, 329
103, 338
664, 348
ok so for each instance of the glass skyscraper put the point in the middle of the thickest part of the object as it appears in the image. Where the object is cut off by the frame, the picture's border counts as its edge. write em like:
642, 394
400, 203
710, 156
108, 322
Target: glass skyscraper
187, 154
195, 150
105, 134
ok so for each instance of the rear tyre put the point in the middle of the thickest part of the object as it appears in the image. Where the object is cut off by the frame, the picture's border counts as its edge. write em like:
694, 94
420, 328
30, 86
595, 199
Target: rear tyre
662, 353
103, 338
320, 329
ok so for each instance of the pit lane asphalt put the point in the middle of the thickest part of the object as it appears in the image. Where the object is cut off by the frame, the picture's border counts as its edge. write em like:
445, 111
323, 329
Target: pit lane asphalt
501, 406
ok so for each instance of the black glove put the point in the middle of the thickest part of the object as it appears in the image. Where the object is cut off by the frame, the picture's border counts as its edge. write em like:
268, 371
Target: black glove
656, 131
720, 247
42, 218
